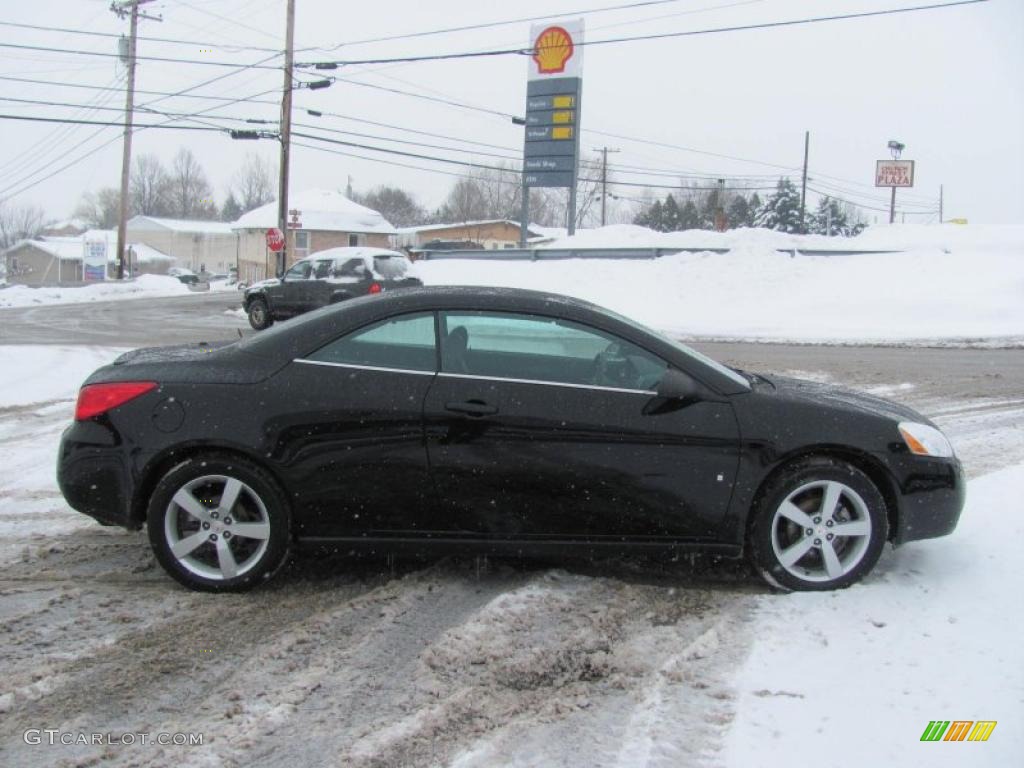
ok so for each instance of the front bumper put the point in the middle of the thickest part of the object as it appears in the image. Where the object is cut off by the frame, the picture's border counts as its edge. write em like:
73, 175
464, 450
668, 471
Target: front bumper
932, 494
94, 475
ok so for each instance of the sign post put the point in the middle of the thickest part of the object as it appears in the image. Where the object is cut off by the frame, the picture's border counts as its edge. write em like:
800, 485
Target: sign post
551, 148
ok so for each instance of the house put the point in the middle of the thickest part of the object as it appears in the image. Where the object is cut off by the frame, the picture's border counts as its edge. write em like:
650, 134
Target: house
49, 261
57, 261
325, 219
195, 245
489, 234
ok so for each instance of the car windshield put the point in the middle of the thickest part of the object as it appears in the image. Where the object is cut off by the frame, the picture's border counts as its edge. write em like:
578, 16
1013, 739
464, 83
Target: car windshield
391, 267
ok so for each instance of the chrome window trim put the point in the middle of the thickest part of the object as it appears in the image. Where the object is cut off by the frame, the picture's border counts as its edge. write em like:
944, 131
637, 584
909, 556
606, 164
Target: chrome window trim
648, 392
548, 383
363, 367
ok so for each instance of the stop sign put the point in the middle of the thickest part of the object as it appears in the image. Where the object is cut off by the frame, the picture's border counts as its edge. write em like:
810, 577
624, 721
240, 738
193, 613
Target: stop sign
275, 239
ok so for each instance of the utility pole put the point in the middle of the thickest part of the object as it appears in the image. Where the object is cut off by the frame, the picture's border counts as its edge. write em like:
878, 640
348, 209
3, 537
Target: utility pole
121, 9
803, 185
286, 138
940, 203
604, 180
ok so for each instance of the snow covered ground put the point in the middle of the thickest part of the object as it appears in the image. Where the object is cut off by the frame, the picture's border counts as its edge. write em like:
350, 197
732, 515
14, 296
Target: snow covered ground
954, 285
604, 664
145, 286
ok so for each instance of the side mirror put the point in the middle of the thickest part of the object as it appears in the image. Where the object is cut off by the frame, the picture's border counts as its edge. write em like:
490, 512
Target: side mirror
676, 385
675, 391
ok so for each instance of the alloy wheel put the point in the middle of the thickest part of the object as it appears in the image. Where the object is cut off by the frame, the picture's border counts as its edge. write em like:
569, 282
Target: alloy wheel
217, 527
821, 531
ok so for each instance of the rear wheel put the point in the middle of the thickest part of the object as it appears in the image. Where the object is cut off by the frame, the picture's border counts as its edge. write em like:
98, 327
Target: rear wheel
218, 524
820, 524
259, 314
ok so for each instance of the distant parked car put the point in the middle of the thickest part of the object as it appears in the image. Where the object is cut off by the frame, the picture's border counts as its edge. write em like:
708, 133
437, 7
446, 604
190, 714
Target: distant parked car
189, 279
326, 277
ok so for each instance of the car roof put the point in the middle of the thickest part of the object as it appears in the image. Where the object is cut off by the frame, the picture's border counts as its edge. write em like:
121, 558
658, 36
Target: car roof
350, 252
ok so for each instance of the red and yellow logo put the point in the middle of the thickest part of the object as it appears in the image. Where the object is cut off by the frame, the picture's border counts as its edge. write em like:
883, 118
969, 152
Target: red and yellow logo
552, 49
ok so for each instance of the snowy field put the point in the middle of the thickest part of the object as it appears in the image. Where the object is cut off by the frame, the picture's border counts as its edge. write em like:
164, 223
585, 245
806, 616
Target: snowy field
952, 286
603, 664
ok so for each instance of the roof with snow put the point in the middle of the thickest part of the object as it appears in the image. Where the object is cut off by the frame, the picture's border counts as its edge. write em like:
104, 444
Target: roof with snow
465, 224
67, 248
191, 226
321, 210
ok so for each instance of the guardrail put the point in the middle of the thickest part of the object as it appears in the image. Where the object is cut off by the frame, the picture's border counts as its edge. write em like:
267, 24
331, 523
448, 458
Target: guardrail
553, 254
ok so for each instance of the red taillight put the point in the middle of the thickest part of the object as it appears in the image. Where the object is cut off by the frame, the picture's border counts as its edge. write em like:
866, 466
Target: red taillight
100, 398
375, 288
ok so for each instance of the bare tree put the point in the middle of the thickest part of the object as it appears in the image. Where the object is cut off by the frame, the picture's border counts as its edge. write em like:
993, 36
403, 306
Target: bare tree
149, 188
189, 193
395, 204
19, 222
253, 184
100, 209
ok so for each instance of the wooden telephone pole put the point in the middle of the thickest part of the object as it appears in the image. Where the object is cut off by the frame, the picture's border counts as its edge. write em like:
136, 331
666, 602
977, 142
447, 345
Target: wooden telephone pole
122, 9
286, 139
604, 180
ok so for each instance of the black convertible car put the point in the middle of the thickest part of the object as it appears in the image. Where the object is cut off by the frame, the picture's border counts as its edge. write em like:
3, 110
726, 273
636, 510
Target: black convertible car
494, 421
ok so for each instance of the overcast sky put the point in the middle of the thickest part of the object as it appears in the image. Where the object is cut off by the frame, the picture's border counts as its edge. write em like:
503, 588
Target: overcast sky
948, 83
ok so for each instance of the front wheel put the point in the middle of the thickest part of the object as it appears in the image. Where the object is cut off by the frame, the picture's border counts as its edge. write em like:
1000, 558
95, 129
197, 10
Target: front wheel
218, 524
820, 524
259, 314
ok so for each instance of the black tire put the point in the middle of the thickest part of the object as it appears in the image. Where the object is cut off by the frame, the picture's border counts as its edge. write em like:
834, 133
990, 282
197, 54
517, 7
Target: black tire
255, 529
830, 560
259, 314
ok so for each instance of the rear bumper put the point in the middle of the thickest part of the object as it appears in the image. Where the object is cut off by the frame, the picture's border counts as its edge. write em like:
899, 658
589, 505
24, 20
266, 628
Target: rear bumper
94, 476
932, 495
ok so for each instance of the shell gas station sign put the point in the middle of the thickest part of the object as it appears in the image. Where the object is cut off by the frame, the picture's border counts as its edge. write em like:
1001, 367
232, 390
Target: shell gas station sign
551, 146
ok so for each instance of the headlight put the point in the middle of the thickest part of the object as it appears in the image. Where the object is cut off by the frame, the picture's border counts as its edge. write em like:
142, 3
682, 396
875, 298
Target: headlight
925, 441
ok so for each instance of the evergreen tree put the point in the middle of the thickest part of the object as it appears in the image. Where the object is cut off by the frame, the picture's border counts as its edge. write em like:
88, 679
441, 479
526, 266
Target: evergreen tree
650, 217
752, 208
231, 209
781, 211
670, 218
738, 212
828, 218
689, 218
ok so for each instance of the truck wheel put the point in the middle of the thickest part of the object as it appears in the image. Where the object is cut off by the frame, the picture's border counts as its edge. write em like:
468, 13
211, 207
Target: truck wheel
259, 314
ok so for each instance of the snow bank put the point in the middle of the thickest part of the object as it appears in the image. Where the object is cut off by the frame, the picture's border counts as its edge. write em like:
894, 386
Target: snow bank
929, 294
44, 373
144, 286
933, 634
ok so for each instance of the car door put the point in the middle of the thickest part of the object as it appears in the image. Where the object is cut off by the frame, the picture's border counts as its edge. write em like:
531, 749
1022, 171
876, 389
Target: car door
291, 294
320, 287
537, 427
350, 430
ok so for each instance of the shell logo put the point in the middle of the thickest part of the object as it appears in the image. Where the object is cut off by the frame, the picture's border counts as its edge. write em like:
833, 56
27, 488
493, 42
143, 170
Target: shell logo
552, 49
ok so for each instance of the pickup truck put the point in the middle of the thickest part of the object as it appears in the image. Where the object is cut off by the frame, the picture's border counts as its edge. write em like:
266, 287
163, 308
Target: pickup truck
326, 277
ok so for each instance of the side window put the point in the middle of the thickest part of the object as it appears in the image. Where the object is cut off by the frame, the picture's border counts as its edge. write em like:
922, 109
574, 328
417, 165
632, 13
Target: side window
352, 268
406, 342
532, 347
299, 271
323, 269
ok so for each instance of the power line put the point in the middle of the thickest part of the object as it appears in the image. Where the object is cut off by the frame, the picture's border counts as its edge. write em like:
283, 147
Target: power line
70, 121
115, 35
79, 52
656, 36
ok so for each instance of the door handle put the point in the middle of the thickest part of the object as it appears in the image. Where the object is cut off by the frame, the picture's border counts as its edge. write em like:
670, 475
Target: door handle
472, 408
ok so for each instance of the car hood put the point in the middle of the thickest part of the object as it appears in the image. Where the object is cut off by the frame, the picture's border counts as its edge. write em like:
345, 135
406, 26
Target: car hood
268, 283
832, 396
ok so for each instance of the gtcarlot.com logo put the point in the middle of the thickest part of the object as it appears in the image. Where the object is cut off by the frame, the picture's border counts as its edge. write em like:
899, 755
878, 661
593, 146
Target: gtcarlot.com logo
958, 730
53, 737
